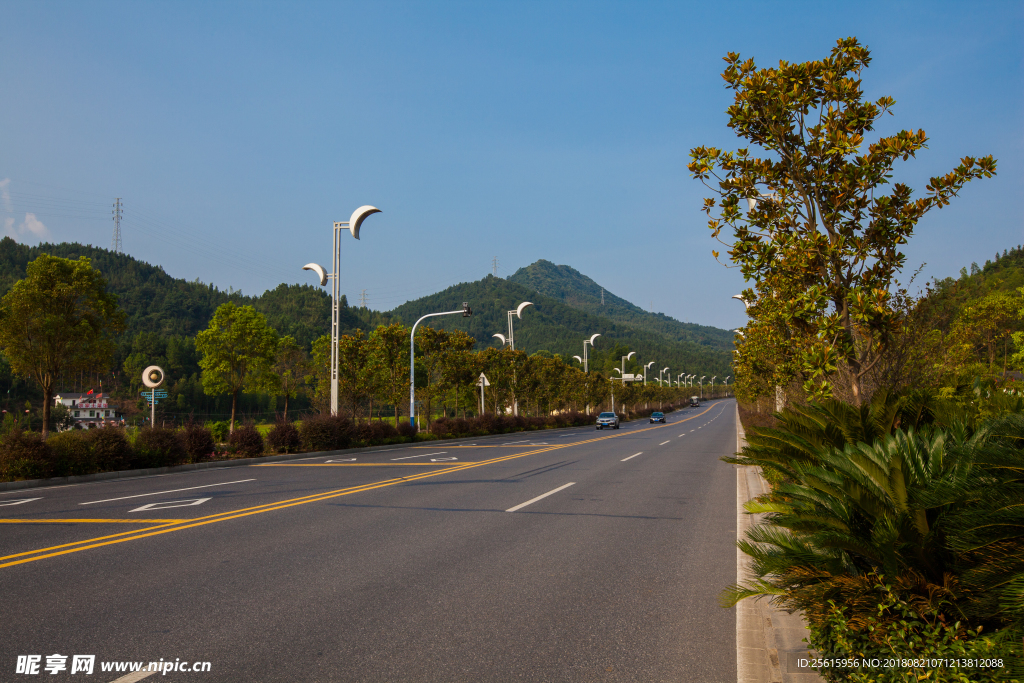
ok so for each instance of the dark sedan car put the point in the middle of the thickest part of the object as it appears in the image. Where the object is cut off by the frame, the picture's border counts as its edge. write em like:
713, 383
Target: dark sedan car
658, 417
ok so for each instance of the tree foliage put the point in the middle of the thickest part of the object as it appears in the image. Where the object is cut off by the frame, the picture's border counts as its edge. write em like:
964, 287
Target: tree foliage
819, 225
59, 319
239, 350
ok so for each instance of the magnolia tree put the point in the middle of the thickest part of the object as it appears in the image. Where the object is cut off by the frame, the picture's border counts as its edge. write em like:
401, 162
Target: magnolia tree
821, 241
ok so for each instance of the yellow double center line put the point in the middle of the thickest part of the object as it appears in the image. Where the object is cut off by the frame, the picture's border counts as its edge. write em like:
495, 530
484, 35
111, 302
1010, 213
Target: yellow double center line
88, 544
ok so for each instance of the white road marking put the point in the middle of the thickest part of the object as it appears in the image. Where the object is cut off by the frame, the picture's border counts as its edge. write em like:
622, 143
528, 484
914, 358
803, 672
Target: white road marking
157, 493
544, 495
442, 459
419, 456
663, 443
345, 460
133, 677
632, 456
19, 502
682, 435
168, 504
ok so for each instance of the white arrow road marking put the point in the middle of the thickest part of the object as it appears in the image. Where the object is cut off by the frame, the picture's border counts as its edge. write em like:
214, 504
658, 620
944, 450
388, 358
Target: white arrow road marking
157, 493
632, 456
442, 459
19, 502
168, 504
543, 495
423, 455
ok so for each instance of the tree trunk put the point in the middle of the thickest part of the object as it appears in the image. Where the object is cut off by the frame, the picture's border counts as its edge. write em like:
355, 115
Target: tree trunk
47, 399
234, 400
286, 407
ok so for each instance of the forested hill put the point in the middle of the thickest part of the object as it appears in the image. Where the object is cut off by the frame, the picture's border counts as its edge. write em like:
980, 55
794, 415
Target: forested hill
578, 291
552, 325
153, 301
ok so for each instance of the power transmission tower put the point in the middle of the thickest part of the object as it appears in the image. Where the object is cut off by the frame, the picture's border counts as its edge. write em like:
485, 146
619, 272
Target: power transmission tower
494, 266
115, 243
362, 299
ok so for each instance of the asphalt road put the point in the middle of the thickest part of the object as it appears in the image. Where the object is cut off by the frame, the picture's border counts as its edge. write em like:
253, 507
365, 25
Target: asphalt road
400, 565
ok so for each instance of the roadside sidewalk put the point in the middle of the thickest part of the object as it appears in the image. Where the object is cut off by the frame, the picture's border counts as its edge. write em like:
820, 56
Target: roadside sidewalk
769, 641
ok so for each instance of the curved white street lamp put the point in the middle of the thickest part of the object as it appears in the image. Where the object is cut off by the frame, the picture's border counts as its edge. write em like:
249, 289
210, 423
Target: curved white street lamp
354, 223
646, 367
590, 341
713, 385
466, 311
579, 359
702, 377
511, 340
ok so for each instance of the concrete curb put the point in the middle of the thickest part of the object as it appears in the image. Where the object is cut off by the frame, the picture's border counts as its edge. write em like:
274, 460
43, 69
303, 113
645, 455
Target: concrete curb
768, 640
243, 462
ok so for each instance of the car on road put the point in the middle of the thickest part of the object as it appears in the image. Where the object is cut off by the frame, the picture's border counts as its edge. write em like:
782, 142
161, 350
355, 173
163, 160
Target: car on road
607, 420
658, 417
694, 402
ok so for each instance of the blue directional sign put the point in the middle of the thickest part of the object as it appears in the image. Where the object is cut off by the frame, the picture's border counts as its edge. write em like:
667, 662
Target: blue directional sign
149, 395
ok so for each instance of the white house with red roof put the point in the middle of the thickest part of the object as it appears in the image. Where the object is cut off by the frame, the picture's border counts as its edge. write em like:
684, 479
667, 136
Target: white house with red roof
88, 410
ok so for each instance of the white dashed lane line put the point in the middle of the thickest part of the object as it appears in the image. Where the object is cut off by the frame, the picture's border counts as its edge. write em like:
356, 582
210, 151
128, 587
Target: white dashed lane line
631, 457
543, 495
663, 443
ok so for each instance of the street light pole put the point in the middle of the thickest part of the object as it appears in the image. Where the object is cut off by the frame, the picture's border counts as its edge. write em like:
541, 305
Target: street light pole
702, 386
713, 387
590, 341
353, 224
466, 311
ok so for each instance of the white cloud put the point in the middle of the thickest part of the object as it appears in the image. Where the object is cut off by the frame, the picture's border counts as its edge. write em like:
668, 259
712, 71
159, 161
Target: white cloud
31, 226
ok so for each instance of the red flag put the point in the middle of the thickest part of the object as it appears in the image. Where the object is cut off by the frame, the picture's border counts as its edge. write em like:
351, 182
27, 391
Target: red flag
89, 393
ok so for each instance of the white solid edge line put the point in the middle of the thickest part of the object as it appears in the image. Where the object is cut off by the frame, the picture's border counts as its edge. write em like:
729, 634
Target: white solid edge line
157, 493
419, 456
543, 495
632, 456
663, 443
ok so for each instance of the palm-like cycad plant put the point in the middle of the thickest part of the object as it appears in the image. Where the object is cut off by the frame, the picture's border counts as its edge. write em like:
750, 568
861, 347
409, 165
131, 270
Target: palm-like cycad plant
936, 512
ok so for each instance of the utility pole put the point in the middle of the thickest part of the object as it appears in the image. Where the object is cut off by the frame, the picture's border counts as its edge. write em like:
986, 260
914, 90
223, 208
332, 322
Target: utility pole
362, 299
115, 243
494, 266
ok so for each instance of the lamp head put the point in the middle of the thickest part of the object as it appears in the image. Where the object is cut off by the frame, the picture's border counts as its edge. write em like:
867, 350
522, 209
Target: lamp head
578, 358
501, 337
519, 309
740, 297
630, 355
320, 272
466, 310
593, 338
358, 216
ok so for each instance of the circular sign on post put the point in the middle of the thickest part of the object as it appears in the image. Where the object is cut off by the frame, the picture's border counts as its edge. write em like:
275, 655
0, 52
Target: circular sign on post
153, 376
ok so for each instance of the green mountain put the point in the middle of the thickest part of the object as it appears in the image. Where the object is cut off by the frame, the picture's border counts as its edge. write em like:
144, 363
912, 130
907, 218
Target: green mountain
153, 301
554, 326
578, 291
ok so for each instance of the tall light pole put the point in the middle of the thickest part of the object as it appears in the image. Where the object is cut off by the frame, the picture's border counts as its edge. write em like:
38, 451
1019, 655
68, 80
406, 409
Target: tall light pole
353, 224
645, 371
622, 372
511, 340
727, 385
713, 386
590, 341
662, 372
702, 386
466, 311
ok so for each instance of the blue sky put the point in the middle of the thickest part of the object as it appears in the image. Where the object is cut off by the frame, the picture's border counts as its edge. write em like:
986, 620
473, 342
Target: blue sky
237, 132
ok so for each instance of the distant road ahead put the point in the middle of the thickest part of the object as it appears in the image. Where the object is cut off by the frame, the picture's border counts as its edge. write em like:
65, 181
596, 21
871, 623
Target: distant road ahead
578, 555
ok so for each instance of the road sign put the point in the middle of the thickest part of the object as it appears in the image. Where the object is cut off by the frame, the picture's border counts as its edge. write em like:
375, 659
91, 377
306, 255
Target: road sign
483, 378
150, 394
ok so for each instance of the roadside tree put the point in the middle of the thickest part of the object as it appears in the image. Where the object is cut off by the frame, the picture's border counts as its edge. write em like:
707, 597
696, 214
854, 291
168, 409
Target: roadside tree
820, 221
238, 353
290, 366
57, 321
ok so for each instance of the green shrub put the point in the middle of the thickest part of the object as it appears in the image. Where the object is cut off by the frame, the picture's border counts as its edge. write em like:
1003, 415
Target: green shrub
406, 430
24, 455
159, 447
72, 454
220, 430
247, 441
901, 630
111, 450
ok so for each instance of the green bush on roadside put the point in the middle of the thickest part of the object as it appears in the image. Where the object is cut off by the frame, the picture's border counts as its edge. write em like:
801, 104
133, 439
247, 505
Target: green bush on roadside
24, 455
247, 441
159, 447
919, 637
72, 454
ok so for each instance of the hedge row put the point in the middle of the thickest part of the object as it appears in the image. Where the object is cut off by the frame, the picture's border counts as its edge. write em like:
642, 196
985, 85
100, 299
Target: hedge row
24, 455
